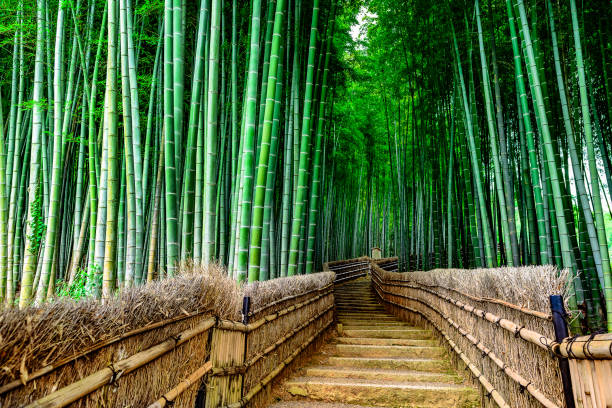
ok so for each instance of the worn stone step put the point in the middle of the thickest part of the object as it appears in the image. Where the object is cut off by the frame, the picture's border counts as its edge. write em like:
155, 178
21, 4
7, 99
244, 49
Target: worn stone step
364, 316
368, 350
367, 326
357, 307
385, 327
386, 342
373, 325
356, 295
391, 363
368, 320
392, 333
411, 394
315, 404
382, 374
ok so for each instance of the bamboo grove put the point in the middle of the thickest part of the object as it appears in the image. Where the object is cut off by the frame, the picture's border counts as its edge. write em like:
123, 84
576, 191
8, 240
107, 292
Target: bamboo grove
267, 136
138, 134
491, 140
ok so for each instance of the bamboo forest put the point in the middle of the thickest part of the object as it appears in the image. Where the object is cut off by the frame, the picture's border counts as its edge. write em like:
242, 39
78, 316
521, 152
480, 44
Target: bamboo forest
272, 136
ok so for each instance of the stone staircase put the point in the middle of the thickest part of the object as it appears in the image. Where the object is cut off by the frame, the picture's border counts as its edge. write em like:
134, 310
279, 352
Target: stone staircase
375, 360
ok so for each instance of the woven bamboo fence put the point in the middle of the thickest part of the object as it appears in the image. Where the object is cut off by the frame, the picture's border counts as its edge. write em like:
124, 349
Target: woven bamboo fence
200, 354
505, 345
590, 361
388, 264
348, 269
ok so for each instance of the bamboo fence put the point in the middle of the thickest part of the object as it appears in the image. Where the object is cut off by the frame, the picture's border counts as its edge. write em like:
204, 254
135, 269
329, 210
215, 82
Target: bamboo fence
507, 347
590, 361
197, 359
349, 269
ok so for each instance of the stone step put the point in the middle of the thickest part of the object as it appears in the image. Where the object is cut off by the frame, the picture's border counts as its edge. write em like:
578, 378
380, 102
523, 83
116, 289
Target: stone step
368, 326
381, 318
382, 374
356, 295
373, 325
391, 363
364, 316
313, 404
392, 333
367, 350
379, 392
357, 307
386, 342
385, 327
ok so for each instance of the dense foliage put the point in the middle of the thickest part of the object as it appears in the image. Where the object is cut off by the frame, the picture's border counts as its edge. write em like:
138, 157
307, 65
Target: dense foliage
136, 134
483, 131
270, 136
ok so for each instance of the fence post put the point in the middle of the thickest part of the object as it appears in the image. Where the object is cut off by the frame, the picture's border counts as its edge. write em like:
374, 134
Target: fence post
227, 353
561, 332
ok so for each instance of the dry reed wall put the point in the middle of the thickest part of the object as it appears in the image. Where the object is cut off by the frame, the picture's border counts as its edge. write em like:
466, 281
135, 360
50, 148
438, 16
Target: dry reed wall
162, 344
507, 340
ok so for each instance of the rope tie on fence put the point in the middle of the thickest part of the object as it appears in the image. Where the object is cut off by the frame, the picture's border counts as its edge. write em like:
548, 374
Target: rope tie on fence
549, 346
116, 374
522, 387
231, 370
176, 339
517, 332
489, 393
502, 370
498, 320
169, 403
568, 346
585, 347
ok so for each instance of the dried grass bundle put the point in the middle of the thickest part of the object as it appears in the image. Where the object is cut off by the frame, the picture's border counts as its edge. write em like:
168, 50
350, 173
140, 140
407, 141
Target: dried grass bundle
500, 291
35, 337
527, 286
267, 292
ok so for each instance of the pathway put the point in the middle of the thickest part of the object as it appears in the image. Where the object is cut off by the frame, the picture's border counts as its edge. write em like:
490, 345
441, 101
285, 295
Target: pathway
375, 360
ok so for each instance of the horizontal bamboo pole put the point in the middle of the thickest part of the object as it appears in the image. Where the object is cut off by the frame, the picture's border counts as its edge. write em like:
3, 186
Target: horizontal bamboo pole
288, 298
596, 347
367, 268
497, 397
535, 313
349, 266
170, 396
270, 377
236, 326
87, 385
385, 260
350, 277
346, 261
52, 367
519, 331
288, 336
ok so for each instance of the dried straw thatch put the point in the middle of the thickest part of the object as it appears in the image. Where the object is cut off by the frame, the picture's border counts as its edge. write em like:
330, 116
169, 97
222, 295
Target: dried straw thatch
268, 296
518, 295
309, 301
44, 349
36, 337
528, 286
